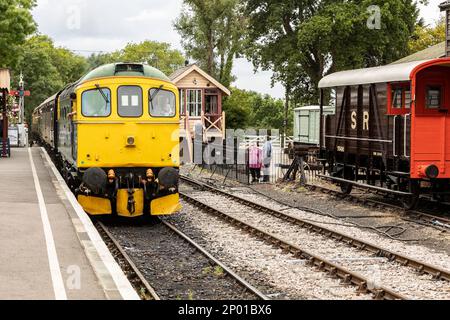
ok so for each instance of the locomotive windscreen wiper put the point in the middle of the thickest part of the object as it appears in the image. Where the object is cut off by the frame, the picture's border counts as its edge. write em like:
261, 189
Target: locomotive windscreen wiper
103, 94
155, 94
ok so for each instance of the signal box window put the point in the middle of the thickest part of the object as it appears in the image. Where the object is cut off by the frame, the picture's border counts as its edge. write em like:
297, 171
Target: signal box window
130, 101
194, 103
433, 97
182, 102
162, 103
96, 103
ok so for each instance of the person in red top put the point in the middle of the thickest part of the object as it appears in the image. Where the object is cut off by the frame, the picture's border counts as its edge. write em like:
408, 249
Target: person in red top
255, 162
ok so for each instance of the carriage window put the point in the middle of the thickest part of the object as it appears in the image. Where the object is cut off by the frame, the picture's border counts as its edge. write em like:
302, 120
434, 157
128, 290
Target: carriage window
397, 98
162, 103
433, 97
408, 99
130, 101
96, 103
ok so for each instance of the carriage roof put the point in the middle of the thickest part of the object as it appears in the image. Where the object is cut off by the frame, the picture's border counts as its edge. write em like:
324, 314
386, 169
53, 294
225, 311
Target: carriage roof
389, 73
43, 104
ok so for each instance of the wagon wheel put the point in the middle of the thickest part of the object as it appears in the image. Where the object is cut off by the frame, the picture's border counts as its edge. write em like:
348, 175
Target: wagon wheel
410, 202
346, 188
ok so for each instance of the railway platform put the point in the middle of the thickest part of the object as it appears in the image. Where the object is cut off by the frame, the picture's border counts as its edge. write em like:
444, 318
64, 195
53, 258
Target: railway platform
49, 247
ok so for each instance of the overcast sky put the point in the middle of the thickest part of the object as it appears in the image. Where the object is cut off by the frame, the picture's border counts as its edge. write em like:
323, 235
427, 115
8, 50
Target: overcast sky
107, 25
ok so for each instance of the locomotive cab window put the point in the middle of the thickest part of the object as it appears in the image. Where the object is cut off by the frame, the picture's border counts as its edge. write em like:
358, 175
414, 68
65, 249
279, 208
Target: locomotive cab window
130, 101
162, 103
434, 97
96, 103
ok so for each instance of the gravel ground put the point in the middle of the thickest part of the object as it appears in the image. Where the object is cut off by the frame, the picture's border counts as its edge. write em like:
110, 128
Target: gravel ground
278, 275
427, 237
403, 280
173, 267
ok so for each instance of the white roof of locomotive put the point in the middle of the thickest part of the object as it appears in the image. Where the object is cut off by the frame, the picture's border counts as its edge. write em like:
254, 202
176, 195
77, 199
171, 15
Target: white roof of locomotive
388, 73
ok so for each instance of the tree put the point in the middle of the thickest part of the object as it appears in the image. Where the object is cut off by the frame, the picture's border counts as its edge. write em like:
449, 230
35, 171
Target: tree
16, 23
426, 36
46, 69
249, 109
303, 40
212, 34
238, 107
157, 54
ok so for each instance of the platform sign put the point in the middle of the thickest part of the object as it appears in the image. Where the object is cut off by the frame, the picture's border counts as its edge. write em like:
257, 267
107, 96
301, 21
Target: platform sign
13, 134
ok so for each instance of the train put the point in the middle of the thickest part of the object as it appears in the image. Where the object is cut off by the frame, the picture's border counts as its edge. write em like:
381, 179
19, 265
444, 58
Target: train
114, 136
390, 131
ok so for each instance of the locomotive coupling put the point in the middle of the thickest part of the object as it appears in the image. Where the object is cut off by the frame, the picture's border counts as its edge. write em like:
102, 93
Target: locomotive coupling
111, 176
150, 175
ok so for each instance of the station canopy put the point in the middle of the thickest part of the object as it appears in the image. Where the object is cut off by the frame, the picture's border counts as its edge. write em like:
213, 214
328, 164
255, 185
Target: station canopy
389, 73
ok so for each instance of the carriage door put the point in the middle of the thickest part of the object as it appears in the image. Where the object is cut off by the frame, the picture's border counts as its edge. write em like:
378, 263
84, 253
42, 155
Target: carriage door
431, 136
400, 110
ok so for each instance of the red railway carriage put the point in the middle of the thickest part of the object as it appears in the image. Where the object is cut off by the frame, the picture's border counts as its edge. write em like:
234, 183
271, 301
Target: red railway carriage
391, 129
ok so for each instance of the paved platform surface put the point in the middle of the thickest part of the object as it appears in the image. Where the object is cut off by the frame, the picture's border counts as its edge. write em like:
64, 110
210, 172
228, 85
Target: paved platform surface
49, 248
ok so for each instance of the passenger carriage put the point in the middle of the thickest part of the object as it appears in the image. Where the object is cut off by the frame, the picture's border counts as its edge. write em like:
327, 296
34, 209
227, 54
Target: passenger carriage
391, 129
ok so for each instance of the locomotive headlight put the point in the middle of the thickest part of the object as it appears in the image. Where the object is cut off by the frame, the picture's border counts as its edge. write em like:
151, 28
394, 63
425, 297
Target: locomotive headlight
130, 141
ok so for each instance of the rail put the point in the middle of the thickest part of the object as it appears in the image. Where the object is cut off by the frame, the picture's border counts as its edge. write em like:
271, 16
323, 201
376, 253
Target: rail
324, 265
420, 266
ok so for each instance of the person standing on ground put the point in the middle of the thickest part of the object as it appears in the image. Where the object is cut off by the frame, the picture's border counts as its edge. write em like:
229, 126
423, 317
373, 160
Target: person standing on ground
255, 162
267, 154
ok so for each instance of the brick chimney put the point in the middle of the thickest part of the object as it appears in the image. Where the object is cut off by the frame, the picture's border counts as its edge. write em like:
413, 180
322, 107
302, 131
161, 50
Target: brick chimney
445, 6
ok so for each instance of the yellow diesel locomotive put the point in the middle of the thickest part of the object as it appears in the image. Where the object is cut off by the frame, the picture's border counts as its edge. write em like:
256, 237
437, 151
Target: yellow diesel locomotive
114, 136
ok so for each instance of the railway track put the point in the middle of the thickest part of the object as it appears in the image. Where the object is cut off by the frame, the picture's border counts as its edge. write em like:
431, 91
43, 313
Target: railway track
347, 241
138, 281
245, 289
434, 220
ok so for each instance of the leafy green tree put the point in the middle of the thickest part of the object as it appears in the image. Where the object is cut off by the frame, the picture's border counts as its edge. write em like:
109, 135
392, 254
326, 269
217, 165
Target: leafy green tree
70, 66
98, 59
268, 113
238, 107
303, 40
426, 36
46, 69
16, 23
157, 54
212, 33
249, 109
